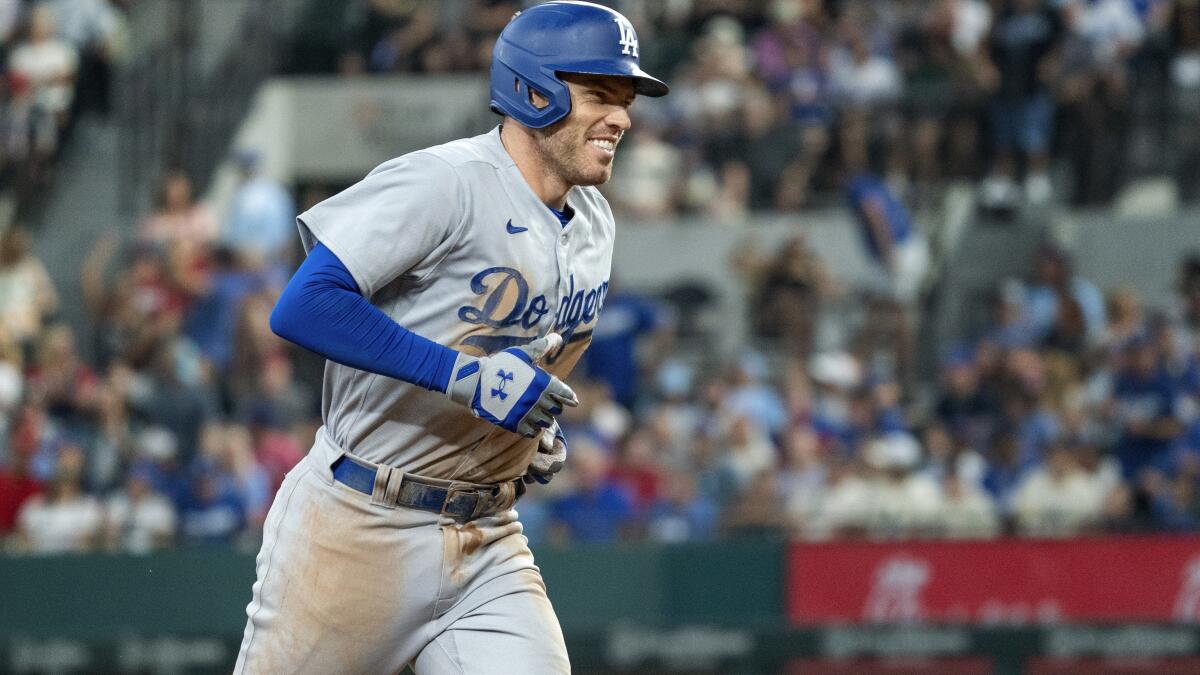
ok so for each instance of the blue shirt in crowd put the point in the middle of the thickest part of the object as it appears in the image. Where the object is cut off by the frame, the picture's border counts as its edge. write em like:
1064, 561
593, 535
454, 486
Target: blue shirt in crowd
594, 516
262, 217
612, 356
1144, 399
211, 319
864, 189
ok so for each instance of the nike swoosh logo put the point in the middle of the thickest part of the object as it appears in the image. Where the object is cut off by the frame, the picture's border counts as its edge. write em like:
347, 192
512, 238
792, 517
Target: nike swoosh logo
513, 229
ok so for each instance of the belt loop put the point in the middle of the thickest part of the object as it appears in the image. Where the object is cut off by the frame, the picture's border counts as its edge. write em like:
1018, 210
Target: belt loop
387, 486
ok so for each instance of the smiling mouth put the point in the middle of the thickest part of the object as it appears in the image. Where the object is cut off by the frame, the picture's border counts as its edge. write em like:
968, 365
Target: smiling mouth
607, 146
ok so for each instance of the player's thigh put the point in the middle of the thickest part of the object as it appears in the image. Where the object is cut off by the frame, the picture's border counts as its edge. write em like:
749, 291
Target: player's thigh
341, 589
513, 633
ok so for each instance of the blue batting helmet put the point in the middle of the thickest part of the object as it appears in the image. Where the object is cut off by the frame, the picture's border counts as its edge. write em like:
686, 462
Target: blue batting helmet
562, 37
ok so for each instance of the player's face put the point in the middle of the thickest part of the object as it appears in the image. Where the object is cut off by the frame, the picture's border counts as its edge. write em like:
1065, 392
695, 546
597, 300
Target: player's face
580, 148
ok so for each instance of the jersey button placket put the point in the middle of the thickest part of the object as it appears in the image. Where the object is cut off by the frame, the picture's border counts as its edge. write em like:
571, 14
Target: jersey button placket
564, 268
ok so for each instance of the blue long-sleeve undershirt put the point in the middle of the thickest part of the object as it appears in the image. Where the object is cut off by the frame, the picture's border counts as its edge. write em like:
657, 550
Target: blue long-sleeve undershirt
322, 310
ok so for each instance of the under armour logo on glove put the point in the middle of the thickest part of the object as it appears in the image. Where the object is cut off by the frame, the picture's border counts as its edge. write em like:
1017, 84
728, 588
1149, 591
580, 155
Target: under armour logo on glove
540, 396
505, 378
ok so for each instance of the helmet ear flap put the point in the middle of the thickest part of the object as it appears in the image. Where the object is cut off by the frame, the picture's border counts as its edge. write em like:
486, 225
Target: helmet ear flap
530, 92
514, 90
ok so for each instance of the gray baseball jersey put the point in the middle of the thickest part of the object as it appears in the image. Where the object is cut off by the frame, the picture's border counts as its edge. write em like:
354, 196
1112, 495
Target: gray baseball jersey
454, 245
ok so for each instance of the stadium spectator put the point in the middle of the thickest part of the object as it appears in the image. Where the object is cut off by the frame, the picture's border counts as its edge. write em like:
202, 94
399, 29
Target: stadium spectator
278, 401
904, 502
1094, 88
158, 448
278, 450
845, 509
44, 68
401, 48
170, 395
1055, 499
628, 322
790, 58
261, 222
681, 514
787, 292
1022, 57
755, 511
10, 17
138, 519
803, 476
637, 471
751, 395
1005, 471
889, 234
65, 518
95, 28
836, 375
746, 451
62, 381
112, 433
253, 341
938, 55
648, 181
233, 452
139, 308
212, 310
27, 294
964, 406
866, 85
12, 383
1125, 319
17, 486
596, 509
1185, 311
966, 512
1056, 291
178, 220
1144, 400
214, 511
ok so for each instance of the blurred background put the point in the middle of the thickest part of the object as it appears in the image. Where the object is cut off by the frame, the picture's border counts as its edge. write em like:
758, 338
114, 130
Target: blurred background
899, 372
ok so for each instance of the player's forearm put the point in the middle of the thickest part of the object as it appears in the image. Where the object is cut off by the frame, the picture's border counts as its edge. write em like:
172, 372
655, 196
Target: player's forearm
323, 311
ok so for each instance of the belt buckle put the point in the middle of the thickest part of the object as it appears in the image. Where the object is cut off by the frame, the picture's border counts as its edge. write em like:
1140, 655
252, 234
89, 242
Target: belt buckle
451, 493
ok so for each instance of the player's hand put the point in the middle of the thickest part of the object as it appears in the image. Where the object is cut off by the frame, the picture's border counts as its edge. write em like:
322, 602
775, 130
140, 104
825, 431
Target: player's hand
509, 390
550, 457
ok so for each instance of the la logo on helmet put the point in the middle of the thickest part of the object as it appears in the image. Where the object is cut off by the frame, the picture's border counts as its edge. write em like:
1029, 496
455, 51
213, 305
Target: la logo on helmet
628, 37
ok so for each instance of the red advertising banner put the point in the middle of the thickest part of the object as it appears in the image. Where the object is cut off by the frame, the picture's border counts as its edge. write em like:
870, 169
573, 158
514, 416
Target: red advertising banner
1008, 581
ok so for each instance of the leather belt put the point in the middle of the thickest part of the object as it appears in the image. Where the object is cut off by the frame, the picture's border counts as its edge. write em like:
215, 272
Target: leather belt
456, 499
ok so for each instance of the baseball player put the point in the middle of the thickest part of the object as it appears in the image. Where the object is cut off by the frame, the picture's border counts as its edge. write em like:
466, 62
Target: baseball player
451, 290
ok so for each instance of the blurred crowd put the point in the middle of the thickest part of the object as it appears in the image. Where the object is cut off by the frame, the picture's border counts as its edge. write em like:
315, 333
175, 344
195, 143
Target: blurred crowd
181, 421
776, 102
56, 58
1075, 412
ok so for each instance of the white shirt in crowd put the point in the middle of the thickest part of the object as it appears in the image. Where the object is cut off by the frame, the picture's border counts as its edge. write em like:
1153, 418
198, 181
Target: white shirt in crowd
967, 512
874, 81
60, 527
26, 291
1050, 506
140, 525
44, 64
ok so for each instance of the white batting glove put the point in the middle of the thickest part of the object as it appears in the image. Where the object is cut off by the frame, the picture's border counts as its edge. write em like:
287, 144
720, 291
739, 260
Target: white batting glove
550, 457
509, 390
